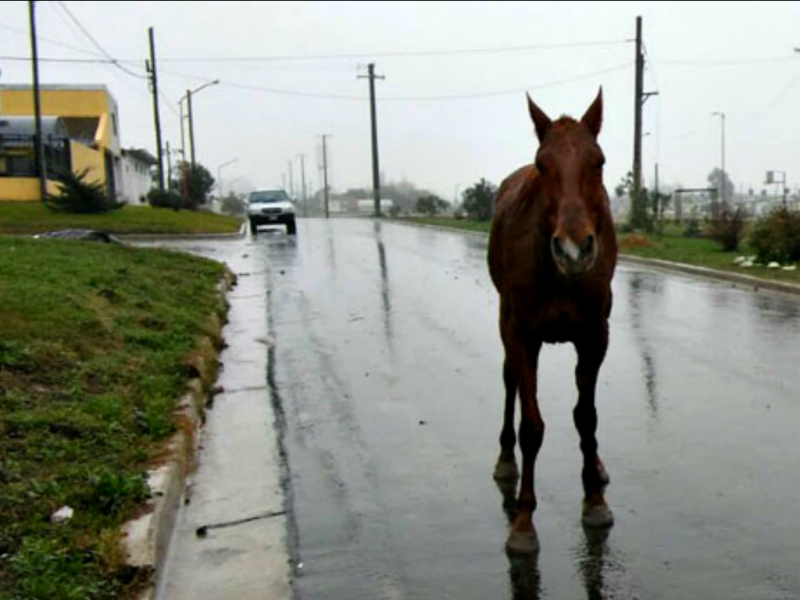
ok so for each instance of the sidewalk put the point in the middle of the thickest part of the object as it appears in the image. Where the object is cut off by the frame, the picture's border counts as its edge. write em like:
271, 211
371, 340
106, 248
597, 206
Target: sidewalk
229, 536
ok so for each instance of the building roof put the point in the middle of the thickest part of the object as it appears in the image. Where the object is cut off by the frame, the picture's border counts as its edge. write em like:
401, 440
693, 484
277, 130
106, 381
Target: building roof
93, 87
141, 155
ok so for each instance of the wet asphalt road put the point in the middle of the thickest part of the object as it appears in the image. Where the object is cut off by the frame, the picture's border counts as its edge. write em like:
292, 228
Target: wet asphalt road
386, 361
388, 368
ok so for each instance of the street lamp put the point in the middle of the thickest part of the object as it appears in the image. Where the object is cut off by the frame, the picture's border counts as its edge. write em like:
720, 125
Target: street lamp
219, 173
722, 191
188, 98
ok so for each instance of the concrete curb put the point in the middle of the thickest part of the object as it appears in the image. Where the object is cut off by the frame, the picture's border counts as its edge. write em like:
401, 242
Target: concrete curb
737, 278
157, 237
146, 539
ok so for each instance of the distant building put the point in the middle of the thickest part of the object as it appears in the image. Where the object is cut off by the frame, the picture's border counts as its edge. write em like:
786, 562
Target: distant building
367, 207
81, 133
137, 175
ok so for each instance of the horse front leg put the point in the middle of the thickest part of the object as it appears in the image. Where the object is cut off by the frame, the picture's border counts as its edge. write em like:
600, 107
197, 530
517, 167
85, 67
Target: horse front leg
522, 537
591, 353
506, 467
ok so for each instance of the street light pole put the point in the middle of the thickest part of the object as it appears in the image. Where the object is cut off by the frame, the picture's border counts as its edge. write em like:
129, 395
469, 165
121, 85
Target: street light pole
722, 191
219, 173
303, 179
188, 97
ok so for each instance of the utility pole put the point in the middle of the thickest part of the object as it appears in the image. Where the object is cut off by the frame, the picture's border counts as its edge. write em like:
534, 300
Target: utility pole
183, 134
656, 197
637, 125
169, 168
291, 179
41, 165
639, 100
376, 177
191, 123
325, 136
722, 191
151, 69
303, 178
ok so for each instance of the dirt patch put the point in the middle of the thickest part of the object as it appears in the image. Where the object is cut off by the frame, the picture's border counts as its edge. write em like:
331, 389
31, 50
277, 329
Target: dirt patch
635, 240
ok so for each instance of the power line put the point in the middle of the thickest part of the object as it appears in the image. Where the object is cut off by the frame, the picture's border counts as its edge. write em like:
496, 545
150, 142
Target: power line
725, 62
50, 41
509, 92
467, 96
79, 61
95, 43
398, 53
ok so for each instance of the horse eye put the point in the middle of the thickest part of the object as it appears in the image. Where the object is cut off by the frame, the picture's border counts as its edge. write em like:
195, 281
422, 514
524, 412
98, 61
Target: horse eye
600, 163
540, 167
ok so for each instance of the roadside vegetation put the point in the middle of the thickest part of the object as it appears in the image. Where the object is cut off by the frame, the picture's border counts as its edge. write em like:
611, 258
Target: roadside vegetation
35, 217
97, 343
767, 247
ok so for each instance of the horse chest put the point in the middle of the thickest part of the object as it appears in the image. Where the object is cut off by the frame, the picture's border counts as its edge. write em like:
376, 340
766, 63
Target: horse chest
555, 320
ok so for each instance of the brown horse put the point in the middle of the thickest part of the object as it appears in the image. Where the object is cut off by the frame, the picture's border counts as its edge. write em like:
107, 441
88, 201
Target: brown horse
552, 255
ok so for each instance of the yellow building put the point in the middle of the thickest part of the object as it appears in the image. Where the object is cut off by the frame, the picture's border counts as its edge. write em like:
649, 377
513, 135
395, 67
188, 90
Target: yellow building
87, 114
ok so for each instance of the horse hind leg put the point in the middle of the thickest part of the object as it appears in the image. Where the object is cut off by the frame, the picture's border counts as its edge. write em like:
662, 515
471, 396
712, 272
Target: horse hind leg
506, 467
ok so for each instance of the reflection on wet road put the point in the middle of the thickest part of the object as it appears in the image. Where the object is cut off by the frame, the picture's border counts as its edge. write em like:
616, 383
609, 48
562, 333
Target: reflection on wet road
388, 368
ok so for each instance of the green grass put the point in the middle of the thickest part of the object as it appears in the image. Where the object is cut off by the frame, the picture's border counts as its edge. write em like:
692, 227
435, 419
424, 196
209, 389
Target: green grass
35, 217
670, 246
96, 347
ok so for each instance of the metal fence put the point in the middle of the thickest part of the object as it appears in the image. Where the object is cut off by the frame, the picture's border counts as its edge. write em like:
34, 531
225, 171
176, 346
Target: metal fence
18, 156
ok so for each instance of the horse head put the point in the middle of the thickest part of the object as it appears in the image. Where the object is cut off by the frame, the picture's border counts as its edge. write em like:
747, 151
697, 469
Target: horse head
570, 175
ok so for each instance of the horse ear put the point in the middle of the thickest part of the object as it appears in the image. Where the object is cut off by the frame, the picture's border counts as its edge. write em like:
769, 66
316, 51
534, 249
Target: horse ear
593, 119
540, 120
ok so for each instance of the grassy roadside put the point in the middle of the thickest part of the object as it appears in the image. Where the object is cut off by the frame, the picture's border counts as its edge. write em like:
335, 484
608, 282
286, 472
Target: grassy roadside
96, 345
670, 246
34, 217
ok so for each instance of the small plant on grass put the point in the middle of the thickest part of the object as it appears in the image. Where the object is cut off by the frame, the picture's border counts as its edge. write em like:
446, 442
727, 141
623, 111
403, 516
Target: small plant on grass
165, 199
692, 229
112, 492
728, 229
80, 196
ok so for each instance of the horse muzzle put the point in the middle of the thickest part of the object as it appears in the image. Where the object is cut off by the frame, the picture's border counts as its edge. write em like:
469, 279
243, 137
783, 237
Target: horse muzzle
574, 258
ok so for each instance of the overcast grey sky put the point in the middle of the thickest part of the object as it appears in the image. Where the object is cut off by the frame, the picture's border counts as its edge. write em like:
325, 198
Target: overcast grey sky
289, 71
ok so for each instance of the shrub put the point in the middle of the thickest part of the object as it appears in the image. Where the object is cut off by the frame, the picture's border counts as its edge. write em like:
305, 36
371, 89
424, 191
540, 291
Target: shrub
79, 196
165, 199
479, 200
233, 204
692, 229
728, 229
776, 237
431, 205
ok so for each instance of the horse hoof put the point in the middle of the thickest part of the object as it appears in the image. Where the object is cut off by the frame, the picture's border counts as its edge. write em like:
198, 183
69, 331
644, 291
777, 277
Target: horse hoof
522, 542
506, 470
602, 474
597, 516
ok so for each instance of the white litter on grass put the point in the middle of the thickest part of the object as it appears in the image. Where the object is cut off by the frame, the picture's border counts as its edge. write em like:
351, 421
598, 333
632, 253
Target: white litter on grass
774, 265
62, 515
790, 268
748, 264
739, 260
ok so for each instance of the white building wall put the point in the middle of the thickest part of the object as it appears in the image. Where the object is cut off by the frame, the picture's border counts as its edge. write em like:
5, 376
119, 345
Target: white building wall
136, 182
